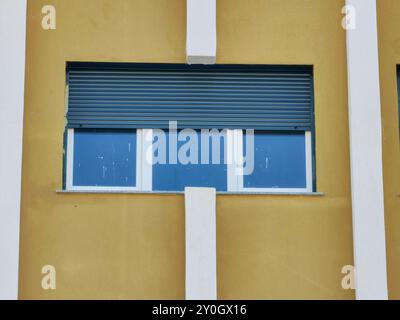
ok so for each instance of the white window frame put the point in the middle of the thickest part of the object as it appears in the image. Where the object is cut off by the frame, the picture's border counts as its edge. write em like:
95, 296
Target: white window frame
70, 167
144, 166
235, 171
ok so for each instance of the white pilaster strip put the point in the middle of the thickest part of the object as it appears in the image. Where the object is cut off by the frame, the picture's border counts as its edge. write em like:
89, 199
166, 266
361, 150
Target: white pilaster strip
12, 78
201, 32
201, 256
366, 153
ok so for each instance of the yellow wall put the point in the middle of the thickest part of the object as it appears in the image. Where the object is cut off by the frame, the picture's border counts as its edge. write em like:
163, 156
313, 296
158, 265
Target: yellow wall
132, 246
389, 52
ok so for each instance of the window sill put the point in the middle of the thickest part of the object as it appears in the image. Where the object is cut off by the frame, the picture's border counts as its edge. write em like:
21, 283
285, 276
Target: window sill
318, 194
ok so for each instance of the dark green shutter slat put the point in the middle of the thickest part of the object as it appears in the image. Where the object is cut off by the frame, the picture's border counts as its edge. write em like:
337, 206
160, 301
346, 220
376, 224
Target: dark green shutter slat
103, 95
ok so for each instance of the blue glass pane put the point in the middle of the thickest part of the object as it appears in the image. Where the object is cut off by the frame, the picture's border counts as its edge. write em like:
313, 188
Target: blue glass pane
104, 158
175, 177
279, 161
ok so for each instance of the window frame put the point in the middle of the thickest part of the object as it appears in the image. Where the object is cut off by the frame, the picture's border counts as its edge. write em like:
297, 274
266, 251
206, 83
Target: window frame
239, 179
70, 168
144, 167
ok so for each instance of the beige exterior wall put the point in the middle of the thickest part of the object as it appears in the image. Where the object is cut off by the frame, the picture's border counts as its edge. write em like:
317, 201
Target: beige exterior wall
132, 246
389, 51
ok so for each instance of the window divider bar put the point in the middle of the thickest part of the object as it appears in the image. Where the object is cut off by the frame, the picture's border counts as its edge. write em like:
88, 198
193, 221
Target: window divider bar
70, 159
232, 183
146, 159
239, 160
139, 159
309, 161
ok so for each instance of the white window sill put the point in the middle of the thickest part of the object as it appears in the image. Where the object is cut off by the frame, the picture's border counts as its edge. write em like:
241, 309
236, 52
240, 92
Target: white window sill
319, 194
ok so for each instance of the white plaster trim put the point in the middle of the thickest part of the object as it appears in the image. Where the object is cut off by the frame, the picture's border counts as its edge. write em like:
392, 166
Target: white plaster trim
201, 244
12, 86
201, 43
366, 153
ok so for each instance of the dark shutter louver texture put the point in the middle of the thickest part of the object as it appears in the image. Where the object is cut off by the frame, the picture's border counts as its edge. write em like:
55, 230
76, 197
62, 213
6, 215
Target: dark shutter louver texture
119, 95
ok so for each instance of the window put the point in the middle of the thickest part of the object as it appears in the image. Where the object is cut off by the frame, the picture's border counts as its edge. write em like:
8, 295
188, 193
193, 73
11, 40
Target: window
196, 165
138, 127
119, 160
282, 161
102, 159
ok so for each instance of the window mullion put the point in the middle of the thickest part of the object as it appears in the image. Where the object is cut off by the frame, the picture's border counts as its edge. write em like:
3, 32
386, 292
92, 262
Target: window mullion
309, 165
139, 160
230, 160
239, 160
70, 159
146, 160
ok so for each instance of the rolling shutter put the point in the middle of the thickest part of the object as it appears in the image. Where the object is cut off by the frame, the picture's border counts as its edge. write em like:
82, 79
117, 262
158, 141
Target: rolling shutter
119, 95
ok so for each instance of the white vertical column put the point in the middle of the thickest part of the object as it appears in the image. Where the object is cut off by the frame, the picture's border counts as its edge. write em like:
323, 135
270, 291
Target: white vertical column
366, 153
201, 44
12, 77
201, 244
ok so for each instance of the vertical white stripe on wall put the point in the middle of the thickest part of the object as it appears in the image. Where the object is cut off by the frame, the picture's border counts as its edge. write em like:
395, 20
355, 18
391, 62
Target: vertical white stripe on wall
201, 43
366, 153
12, 77
201, 244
